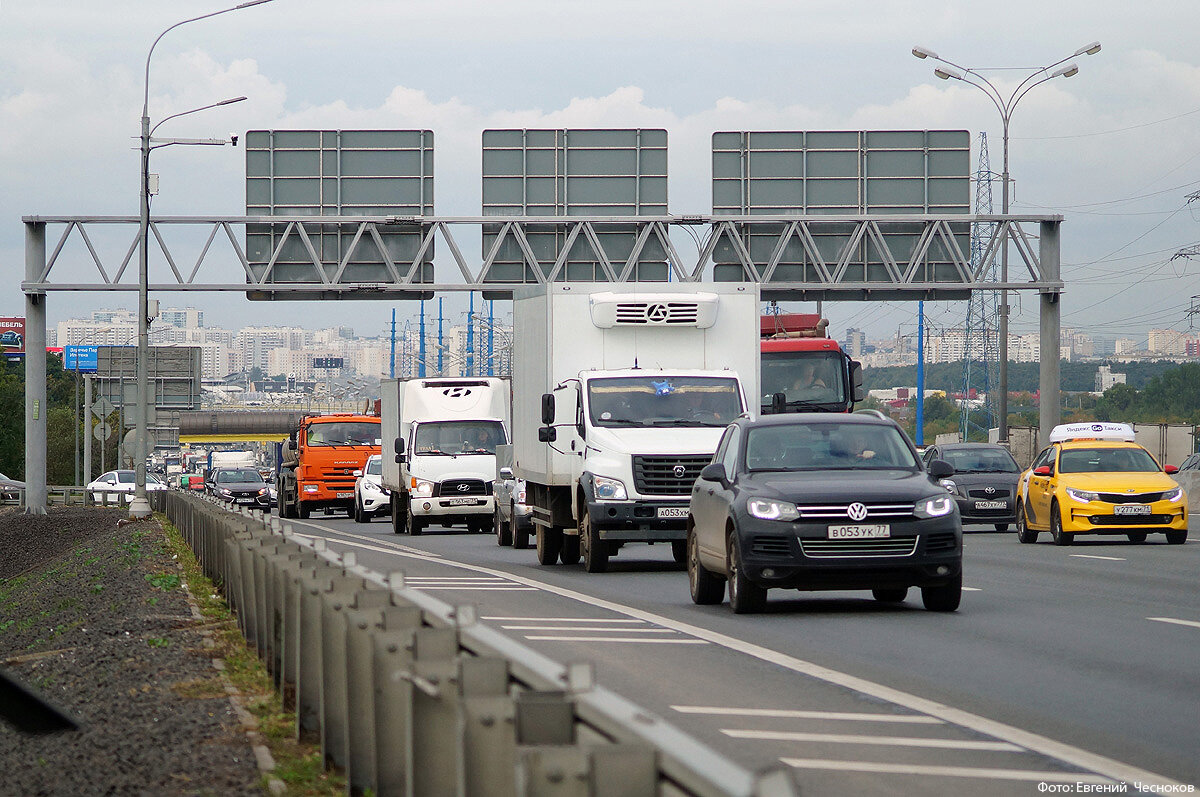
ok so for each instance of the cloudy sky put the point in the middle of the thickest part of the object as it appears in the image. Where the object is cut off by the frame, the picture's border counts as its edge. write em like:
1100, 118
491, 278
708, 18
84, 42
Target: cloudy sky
1116, 148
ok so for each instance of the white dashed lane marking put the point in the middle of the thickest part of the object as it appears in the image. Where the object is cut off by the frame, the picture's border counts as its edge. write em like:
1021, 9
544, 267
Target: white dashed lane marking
1049, 776
1093, 556
779, 713
885, 741
1191, 623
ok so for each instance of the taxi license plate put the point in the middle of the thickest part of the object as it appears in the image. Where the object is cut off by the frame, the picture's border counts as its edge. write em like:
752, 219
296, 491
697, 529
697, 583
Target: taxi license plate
990, 505
873, 531
1131, 509
345, 495
672, 512
463, 501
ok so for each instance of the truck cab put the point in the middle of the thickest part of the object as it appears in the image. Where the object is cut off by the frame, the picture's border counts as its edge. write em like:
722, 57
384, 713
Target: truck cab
319, 459
803, 370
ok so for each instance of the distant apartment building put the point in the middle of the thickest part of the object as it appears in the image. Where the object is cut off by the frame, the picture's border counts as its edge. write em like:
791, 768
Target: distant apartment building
256, 344
1124, 346
1168, 342
1105, 378
855, 343
186, 318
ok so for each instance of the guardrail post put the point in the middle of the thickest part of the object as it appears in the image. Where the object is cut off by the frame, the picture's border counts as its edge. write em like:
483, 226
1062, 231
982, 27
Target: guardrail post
437, 741
489, 727
549, 765
392, 666
339, 593
308, 651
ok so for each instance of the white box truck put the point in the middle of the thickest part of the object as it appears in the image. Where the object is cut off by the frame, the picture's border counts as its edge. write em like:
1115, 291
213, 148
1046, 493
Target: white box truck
439, 449
620, 396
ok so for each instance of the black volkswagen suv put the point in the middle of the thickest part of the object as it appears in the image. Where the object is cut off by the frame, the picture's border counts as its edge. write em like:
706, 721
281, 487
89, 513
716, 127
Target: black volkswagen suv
822, 501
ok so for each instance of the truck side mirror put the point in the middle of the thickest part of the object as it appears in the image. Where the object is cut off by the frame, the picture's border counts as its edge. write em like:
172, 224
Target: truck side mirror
399, 445
856, 381
547, 434
778, 403
292, 438
547, 408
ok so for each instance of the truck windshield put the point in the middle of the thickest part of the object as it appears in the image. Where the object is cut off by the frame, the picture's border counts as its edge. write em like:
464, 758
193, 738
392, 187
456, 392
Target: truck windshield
807, 379
663, 401
452, 438
343, 433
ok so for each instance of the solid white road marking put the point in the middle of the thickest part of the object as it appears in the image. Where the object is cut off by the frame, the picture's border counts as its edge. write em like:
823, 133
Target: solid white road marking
1075, 756
853, 716
971, 589
891, 741
1191, 623
1092, 556
648, 641
557, 619
460, 587
557, 628
952, 772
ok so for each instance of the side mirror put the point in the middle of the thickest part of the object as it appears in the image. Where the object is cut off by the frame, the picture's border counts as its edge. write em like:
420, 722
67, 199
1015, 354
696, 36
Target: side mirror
941, 469
856, 382
357, 473
714, 472
547, 408
292, 438
1171, 469
1043, 470
399, 445
506, 473
547, 434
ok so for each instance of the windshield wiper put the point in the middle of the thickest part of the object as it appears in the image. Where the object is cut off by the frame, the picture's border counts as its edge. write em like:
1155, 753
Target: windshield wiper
620, 422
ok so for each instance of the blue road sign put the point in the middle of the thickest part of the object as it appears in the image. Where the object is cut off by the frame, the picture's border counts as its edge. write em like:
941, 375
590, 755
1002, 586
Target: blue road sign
80, 358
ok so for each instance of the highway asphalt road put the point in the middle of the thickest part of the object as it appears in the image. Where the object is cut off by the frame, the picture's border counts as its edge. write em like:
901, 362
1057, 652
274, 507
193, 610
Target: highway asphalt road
1064, 666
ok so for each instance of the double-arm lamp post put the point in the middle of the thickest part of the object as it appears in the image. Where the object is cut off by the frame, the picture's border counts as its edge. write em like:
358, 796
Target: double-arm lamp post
139, 507
1006, 105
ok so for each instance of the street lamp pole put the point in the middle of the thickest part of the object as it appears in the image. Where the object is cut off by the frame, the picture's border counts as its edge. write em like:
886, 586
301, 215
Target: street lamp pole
1006, 106
139, 507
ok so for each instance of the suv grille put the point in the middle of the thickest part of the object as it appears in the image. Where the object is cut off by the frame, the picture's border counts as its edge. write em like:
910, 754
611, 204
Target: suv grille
874, 512
462, 487
770, 546
857, 549
1130, 498
656, 475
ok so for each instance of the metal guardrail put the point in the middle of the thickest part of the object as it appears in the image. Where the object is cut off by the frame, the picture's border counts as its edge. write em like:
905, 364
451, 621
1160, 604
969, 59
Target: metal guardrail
411, 696
69, 495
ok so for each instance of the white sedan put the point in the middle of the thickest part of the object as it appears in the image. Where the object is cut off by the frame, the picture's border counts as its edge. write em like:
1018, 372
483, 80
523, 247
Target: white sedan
120, 482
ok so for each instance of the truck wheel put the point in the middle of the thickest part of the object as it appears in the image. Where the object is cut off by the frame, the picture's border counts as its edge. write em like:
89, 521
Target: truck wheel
595, 550
413, 525
398, 513
502, 529
302, 509
549, 542
679, 551
520, 533
568, 554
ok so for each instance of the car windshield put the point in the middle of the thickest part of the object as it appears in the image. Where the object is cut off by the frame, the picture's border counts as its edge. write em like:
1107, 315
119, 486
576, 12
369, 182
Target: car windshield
374, 466
1106, 460
827, 446
805, 378
343, 433
238, 476
988, 460
458, 437
663, 401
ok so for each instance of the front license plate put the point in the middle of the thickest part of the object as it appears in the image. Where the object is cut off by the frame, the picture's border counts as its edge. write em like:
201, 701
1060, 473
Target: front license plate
463, 502
673, 512
245, 500
345, 495
991, 505
1131, 509
861, 532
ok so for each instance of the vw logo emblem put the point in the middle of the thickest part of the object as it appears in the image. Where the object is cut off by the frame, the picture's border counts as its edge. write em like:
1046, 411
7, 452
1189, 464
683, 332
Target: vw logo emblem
462, 488
679, 471
856, 511
989, 490
657, 312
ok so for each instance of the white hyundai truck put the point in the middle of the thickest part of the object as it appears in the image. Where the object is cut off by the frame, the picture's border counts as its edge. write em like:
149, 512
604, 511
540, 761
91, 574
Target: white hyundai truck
620, 395
439, 451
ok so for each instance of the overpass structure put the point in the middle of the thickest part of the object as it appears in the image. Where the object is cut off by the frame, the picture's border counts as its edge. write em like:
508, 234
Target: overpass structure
237, 426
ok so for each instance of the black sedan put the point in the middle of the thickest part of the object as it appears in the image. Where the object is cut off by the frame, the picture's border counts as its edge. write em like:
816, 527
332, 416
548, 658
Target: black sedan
984, 483
822, 501
240, 486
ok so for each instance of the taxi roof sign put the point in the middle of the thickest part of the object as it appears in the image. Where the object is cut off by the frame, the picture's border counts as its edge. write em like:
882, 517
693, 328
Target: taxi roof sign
1092, 431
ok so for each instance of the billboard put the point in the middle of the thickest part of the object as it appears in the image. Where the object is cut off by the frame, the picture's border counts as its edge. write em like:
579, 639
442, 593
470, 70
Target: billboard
80, 358
12, 336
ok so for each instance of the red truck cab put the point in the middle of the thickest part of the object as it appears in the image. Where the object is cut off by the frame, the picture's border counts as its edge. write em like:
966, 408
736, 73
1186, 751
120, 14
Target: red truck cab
803, 370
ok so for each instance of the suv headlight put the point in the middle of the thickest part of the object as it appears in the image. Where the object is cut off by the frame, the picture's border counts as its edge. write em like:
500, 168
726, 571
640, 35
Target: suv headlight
369, 486
1082, 496
938, 506
1173, 495
768, 509
609, 489
421, 488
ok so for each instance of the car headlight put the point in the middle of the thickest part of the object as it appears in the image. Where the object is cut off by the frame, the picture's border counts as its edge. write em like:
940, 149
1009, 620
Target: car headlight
226, 493
1174, 495
949, 484
767, 509
1082, 496
263, 491
609, 489
421, 488
938, 506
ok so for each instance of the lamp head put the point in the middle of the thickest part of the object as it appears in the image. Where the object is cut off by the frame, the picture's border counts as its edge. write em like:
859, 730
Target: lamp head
1089, 49
923, 52
946, 74
1067, 70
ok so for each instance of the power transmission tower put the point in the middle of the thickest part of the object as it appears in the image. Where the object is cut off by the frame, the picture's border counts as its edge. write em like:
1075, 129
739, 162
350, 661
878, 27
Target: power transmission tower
981, 344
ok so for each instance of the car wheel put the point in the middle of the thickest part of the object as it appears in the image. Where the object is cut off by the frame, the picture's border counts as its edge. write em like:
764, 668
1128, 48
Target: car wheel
520, 534
358, 514
502, 529
944, 598
549, 543
1177, 537
745, 597
1136, 536
1024, 533
706, 589
1056, 530
413, 524
894, 595
569, 553
679, 550
1001, 527
595, 550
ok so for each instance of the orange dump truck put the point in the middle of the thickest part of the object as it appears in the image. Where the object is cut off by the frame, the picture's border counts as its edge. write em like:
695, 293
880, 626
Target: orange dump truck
317, 467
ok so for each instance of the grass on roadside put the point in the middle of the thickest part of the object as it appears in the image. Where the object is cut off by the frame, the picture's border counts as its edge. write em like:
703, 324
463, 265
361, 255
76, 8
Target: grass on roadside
297, 765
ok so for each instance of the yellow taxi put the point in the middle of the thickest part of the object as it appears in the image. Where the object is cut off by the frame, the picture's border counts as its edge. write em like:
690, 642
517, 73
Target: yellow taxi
1094, 479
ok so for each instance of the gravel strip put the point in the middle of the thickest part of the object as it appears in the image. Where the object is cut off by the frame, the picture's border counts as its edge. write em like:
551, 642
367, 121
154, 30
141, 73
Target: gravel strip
93, 616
